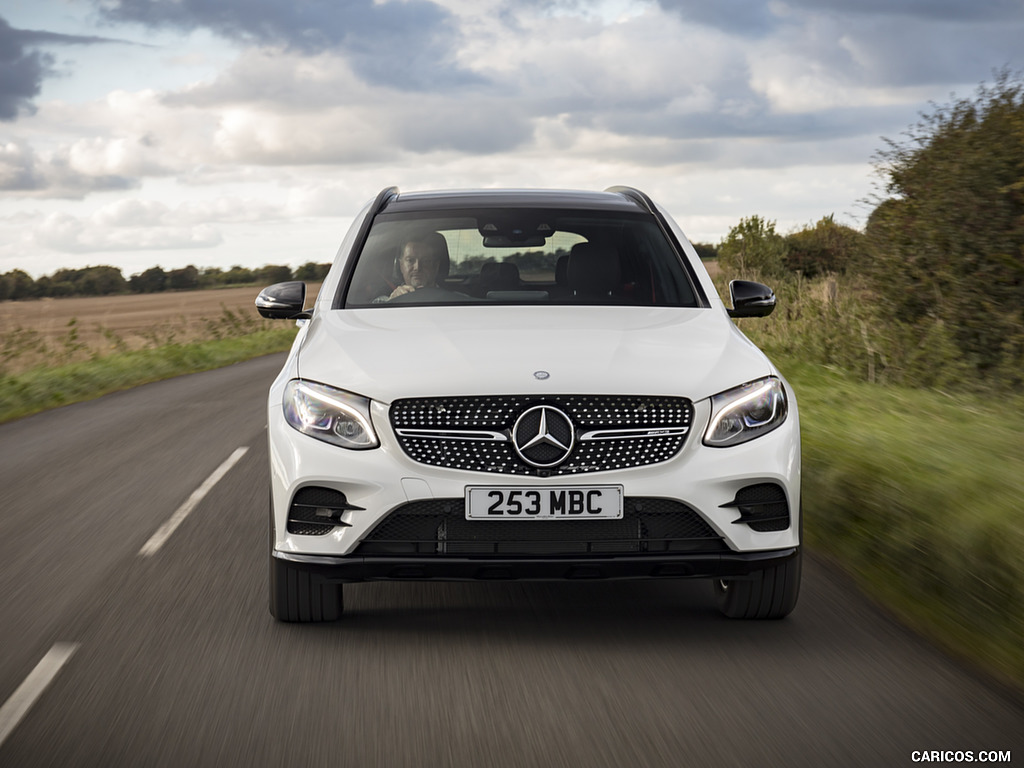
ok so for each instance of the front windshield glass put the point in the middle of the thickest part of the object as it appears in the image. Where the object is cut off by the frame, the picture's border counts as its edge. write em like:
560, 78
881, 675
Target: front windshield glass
503, 256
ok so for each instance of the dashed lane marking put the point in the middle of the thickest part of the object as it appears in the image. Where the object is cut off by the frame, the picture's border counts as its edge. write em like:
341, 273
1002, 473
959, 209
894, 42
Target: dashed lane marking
157, 540
21, 701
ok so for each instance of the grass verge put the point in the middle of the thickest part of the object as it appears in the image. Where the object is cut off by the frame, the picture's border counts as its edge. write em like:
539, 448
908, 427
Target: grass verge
38, 389
919, 495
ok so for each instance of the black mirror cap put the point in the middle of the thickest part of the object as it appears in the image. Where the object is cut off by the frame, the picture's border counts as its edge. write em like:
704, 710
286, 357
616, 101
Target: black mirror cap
283, 301
750, 299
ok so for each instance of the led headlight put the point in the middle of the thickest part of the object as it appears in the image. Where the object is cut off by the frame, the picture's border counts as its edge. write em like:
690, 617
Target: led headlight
329, 414
746, 412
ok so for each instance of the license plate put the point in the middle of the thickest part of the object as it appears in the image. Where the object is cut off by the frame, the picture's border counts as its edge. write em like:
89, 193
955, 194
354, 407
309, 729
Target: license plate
600, 502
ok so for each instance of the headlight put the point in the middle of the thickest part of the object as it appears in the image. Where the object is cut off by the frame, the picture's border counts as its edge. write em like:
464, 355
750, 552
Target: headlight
746, 412
329, 414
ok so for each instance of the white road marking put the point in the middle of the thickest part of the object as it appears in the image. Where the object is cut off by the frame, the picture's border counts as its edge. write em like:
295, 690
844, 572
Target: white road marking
157, 540
21, 701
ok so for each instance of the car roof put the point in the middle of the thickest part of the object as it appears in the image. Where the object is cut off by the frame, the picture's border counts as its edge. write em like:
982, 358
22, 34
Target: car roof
510, 198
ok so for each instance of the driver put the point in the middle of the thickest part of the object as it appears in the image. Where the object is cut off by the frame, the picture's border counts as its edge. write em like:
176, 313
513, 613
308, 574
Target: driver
419, 263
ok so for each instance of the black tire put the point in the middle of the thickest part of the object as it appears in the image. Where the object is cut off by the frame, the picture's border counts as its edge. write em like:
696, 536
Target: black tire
769, 594
297, 595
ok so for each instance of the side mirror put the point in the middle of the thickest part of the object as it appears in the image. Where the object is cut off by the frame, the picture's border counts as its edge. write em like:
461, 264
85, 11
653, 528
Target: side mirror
750, 299
283, 301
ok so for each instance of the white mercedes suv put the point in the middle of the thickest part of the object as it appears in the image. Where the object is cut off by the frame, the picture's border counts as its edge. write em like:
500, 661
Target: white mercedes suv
526, 384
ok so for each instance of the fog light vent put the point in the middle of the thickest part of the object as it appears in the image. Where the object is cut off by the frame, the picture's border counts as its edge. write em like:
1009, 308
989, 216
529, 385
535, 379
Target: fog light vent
317, 511
763, 507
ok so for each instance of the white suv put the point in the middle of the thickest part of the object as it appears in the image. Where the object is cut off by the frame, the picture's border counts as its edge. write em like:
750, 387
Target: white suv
525, 384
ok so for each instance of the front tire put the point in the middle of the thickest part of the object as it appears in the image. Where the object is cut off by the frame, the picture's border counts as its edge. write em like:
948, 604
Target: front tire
769, 594
297, 595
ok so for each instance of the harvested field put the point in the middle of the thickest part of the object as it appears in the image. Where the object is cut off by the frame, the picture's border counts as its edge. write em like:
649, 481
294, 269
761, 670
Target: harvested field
57, 331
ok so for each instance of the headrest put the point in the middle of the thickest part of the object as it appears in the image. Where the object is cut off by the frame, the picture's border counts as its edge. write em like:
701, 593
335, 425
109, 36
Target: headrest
594, 269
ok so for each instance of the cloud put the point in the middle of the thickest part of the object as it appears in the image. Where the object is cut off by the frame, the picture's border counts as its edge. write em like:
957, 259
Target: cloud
27, 174
759, 19
69, 234
403, 44
135, 224
933, 10
22, 71
746, 18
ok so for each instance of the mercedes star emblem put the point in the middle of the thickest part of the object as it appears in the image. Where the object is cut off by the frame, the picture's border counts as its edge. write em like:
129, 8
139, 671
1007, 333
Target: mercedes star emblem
543, 436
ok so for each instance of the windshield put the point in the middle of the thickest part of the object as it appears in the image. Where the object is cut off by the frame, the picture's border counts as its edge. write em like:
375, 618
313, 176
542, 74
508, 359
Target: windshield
504, 256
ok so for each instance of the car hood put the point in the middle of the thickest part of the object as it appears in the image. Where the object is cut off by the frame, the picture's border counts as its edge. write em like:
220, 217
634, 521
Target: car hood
390, 353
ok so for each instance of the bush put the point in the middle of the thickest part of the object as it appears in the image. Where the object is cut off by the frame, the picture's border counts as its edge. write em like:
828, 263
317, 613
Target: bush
752, 247
825, 248
947, 246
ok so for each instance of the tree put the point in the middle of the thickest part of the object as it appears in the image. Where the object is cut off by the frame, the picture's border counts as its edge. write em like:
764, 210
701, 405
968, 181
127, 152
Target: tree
184, 279
752, 248
239, 275
311, 271
100, 281
825, 247
19, 285
153, 280
947, 244
706, 251
271, 273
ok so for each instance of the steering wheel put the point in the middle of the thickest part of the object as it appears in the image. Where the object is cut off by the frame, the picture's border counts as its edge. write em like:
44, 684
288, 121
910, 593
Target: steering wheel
428, 295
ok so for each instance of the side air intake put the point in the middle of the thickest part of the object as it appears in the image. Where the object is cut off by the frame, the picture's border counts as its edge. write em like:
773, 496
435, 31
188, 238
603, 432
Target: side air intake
317, 511
763, 507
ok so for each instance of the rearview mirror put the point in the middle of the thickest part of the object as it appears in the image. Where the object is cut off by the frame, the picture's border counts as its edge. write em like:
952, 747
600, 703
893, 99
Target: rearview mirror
750, 299
283, 301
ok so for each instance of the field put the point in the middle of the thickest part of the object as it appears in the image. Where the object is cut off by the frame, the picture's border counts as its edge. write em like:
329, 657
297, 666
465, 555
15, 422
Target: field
61, 331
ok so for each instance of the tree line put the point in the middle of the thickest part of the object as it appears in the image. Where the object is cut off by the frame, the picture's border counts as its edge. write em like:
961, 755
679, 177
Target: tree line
106, 280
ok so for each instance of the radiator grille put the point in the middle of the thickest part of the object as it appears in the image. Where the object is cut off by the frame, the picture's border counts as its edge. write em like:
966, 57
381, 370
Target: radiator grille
485, 425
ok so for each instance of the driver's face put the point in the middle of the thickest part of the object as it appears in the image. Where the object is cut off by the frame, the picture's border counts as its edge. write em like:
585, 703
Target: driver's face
419, 265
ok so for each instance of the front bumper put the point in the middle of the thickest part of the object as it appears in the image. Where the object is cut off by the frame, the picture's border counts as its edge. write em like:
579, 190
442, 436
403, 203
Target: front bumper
731, 565
378, 482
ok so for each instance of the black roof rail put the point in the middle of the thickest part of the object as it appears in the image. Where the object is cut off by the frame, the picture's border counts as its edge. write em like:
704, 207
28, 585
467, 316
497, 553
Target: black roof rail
383, 198
635, 195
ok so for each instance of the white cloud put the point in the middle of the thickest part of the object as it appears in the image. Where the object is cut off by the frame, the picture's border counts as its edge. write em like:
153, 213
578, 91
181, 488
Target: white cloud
136, 224
70, 234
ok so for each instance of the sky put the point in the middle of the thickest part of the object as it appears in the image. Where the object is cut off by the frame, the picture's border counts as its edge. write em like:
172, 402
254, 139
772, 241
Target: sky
137, 133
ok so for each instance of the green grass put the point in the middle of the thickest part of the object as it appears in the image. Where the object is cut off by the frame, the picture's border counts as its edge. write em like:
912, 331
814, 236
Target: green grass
41, 388
920, 495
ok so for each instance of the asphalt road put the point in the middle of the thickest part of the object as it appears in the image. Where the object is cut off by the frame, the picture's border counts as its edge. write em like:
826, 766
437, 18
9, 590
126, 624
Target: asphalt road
172, 659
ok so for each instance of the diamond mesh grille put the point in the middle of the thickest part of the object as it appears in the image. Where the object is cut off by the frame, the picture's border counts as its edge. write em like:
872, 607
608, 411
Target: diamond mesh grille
496, 414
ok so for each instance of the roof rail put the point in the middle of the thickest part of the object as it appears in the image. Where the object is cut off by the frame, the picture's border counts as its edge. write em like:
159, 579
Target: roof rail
383, 198
635, 195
